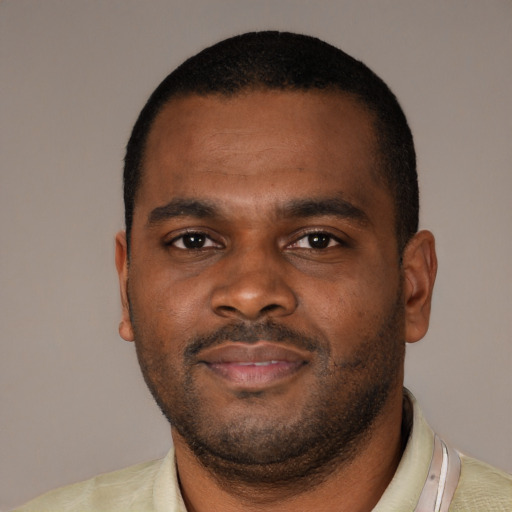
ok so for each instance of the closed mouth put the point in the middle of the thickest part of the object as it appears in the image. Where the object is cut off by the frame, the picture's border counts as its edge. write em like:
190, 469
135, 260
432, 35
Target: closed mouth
254, 365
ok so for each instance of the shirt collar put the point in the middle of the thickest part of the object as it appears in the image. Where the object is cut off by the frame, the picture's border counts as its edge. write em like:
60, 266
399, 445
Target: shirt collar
401, 495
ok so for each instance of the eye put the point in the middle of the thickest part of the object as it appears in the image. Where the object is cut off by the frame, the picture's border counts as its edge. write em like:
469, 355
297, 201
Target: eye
193, 241
316, 241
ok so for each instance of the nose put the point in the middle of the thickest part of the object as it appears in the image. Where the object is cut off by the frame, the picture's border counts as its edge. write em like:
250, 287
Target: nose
251, 286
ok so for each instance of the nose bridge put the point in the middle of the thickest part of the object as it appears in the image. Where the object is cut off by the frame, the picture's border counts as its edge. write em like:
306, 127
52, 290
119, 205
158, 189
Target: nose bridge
253, 284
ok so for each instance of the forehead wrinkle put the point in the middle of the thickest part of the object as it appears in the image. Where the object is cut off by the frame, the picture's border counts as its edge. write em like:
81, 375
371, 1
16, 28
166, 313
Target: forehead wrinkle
241, 144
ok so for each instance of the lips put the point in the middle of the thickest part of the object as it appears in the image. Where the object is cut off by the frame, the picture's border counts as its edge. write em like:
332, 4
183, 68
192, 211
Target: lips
254, 366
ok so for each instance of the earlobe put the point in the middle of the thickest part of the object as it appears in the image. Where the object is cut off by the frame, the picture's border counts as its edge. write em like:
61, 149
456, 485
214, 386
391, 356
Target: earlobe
125, 326
420, 268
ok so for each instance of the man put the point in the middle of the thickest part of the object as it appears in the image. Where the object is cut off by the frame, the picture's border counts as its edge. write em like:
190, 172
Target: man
271, 272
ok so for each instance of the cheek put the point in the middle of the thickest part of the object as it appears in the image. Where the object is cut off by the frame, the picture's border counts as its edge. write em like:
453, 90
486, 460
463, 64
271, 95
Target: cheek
348, 308
168, 305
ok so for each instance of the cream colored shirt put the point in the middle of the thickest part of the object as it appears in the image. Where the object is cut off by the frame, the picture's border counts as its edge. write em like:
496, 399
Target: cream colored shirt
153, 486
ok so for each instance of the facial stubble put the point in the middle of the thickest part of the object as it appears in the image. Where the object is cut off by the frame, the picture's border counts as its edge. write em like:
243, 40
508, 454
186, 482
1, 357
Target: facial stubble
333, 425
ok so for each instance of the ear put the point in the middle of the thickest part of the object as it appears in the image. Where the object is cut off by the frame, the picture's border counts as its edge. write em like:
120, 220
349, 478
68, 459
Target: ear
419, 265
125, 326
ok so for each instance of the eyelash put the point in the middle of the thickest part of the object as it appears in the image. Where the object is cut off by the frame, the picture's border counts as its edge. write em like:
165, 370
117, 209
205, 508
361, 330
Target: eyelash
197, 234
322, 235
215, 245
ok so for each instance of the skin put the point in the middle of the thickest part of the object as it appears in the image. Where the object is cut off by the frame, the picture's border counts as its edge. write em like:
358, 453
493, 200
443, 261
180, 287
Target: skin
236, 177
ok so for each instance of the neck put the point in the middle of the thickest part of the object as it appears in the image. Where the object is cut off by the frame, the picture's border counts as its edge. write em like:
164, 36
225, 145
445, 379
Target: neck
355, 485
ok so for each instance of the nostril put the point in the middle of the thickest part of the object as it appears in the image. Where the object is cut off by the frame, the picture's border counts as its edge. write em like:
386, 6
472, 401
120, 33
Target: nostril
252, 295
228, 309
269, 308
266, 309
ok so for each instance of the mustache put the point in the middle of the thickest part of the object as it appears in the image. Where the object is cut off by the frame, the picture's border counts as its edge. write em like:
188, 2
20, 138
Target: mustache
252, 333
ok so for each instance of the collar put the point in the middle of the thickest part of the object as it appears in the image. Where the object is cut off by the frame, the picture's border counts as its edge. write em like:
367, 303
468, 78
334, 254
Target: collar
425, 480
429, 470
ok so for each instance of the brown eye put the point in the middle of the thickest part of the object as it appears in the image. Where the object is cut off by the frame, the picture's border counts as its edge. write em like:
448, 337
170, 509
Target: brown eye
193, 241
319, 240
316, 241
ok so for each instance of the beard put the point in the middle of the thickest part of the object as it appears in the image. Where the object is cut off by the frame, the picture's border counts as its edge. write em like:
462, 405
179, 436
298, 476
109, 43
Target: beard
263, 447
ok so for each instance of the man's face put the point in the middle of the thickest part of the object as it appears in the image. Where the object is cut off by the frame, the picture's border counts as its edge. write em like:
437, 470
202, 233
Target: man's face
264, 286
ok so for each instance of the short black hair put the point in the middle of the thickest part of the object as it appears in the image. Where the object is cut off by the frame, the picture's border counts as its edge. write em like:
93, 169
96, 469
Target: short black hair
286, 61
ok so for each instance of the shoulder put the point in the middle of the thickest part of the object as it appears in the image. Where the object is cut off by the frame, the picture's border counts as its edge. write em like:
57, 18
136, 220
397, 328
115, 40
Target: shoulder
127, 489
482, 487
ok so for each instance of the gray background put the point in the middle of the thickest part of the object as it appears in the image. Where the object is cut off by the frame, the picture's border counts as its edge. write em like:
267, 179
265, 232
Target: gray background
74, 75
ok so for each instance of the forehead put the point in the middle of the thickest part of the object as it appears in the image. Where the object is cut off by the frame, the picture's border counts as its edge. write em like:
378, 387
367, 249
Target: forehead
261, 143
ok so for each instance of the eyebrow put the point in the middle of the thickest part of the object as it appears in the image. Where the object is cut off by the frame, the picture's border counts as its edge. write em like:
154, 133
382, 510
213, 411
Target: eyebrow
332, 206
297, 208
182, 208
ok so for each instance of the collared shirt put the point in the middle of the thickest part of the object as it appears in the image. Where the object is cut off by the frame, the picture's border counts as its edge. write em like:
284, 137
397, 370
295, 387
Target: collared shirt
153, 486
